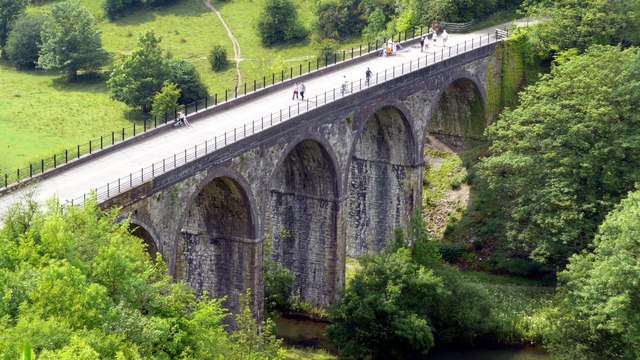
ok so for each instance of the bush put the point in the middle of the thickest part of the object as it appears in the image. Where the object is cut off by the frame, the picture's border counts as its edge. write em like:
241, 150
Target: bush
113, 8
279, 23
451, 252
165, 100
218, 58
23, 42
186, 77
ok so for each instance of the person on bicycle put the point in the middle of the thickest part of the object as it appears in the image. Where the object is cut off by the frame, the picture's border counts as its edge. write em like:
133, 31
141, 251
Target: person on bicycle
367, 75
345, 85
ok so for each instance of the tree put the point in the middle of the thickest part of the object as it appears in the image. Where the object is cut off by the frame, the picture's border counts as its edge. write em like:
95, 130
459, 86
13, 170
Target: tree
166, 100
71, 40
79, 285
279, 23
113, 8
9, 12
139, 76
604, 22
598, 315
563, 158
23, 43
405, 299
384, 311
218, 58
186, 77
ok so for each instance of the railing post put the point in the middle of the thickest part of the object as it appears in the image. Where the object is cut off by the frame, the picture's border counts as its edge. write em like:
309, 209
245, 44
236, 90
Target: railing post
281, 75
273, 78
197, 100
335, 58
90, 147
215, 99
300, 70
245, 92
122, 137
30, 170
66, 156
206, 102
101, 145
41, 165
360, 53
376, 48
225, 95
145, 125
264, 81
134, 134
55, 161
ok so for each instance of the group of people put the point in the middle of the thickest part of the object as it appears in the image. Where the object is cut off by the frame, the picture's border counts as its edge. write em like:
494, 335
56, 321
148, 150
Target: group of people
391, 48
298, 91
424, 41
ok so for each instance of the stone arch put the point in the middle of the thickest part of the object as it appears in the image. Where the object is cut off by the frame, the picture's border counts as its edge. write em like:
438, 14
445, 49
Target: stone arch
458, 112
146, 234
302, 218
218, 249
382, 180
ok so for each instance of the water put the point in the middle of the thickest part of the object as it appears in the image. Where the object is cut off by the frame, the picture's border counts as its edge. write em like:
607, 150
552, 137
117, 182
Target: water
310, 333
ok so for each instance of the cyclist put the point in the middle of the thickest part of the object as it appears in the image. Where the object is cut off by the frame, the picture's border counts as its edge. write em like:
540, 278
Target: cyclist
345, 85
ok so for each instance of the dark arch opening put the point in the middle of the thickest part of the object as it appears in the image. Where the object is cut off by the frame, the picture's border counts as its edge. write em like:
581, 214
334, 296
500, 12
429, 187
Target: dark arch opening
459, 118
302, 220
145, 236
218, 245
380, 181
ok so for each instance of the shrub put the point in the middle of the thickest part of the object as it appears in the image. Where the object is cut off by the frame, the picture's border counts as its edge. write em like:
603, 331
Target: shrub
279, 23
218, 58
451, 252
113, 8
186, 77
165, 100
24, 41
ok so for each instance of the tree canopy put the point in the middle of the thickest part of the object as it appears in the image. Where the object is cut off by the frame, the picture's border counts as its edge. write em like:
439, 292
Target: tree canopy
77, 285
9, 12
71, 40
563, 158
598, 316
279, 23
23, 43
139, 76
604, 22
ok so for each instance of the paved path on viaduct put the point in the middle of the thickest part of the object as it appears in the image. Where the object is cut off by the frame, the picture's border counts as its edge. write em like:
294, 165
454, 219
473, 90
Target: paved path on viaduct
76, 181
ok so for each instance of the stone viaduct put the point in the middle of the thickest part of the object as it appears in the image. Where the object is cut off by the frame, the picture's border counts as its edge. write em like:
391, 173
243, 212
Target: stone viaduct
330, 183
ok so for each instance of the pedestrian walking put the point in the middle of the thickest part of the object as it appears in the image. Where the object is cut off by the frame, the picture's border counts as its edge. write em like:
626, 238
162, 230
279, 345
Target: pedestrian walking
367, 76
301, 89
421, 43
295, 91
445, 37
426, 45
435, 38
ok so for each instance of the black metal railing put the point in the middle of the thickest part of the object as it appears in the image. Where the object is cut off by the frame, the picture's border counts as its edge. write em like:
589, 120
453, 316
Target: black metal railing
137, 178
63, 157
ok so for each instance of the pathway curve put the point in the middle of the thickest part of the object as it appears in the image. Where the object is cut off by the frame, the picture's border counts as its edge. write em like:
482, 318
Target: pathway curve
236, 45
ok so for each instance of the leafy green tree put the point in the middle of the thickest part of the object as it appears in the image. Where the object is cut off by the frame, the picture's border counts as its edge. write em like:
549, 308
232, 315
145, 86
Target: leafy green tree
341, 19
563, 158
23, 43
186, 77
376, 24
279, 23
384, 311
598, 316
10, 10
113, 8
218, 58
71, 40
278, 283
166, 100
604, 22
139, 76
78, 285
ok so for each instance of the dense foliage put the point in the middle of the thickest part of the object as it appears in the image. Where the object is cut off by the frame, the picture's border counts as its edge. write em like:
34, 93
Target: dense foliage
604, 22
166, 100
10, 10
71, 40
404, 300
76, 285
569, 152
24, 40
279, 23
114, 8
137, 77
599, 311
218, 58
278, 283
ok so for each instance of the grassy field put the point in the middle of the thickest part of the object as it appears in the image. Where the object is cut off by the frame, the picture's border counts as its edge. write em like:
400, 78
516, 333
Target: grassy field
51, 114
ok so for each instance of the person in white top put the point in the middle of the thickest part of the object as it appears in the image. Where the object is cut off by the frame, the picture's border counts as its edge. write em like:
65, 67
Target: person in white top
445, 36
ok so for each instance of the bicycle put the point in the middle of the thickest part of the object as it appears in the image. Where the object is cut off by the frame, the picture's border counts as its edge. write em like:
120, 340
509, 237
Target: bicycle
343, 89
